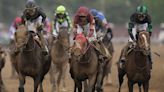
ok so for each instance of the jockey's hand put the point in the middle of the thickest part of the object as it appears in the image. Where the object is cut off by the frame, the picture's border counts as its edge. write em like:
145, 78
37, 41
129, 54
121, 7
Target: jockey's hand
134, 43
40, 28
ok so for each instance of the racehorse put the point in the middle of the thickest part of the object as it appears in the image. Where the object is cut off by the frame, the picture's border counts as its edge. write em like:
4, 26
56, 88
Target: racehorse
29, 59
60, 58
83, 64
137, 65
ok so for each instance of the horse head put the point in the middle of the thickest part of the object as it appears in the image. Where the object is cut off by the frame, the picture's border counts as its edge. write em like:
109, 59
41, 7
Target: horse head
143, 41
63, 37
79, 47
21, 37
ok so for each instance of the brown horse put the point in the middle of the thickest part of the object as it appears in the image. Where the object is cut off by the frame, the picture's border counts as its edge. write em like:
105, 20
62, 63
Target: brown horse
83, 65
2, 63
30, 61
137, 65
60, 58
109, 45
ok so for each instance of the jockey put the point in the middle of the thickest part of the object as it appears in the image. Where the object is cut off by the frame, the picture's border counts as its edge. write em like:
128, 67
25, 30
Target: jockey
14, 26
101, 24
84, 23
140, 20
102, 28
34, 18
61, 19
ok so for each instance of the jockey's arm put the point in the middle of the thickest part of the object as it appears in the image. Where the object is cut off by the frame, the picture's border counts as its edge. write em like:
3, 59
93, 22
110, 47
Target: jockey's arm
12, 31
69, 20
149, 25
130, 27
42, 14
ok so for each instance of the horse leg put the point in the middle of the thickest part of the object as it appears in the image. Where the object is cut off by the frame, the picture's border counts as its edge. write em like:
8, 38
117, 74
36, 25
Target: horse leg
139, 85
21, 82
108, 79
59, 80
36, 83
13, 72
146, 86
79, 85
130, 86
64, 78
100, 77
121, 75
51, 73
75, 86
91, 83
41, 85
85, 85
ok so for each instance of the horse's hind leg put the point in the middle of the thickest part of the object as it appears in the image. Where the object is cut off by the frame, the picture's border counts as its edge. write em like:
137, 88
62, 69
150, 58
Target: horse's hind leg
21, 83
146, 86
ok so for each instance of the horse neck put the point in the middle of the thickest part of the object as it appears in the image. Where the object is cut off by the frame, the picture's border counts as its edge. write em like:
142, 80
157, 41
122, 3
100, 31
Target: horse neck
58, 47
89, 53
30, 42
140, 58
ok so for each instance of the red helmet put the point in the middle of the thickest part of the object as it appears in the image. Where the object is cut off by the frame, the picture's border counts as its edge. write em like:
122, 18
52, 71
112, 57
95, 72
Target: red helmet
18, 20
83, 11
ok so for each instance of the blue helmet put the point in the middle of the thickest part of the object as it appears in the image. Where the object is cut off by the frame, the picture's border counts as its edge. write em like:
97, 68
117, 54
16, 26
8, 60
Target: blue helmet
94, 12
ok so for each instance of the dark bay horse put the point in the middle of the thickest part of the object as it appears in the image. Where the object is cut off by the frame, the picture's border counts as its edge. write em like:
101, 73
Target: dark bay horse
30, 61
83, 65
2, 64
137, 65
60, 57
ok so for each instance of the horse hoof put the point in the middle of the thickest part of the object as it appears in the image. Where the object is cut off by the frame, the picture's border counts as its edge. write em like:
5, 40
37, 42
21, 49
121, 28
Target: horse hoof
108, 84
21, 89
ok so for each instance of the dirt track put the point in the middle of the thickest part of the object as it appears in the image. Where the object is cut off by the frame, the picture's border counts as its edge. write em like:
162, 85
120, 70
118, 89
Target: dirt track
156, 82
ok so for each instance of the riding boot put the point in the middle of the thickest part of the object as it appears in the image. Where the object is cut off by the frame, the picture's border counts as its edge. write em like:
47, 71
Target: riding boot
150, 60
43, 45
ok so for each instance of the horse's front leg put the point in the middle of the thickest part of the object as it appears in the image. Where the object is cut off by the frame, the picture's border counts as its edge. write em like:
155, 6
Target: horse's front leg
121, 74
21, 82
36, 83
130, 86
64, 72
146, 86
91, 83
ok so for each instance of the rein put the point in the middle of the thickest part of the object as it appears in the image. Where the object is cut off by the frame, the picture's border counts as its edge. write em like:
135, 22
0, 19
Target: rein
29, 50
